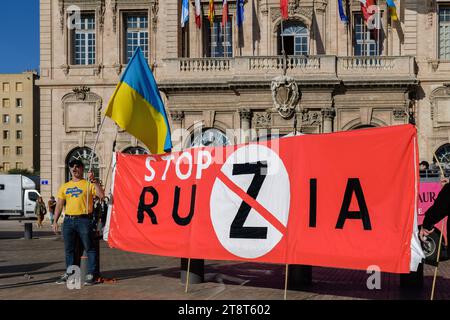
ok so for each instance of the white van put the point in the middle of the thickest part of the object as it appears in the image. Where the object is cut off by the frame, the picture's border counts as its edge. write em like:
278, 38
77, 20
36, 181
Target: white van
18, 196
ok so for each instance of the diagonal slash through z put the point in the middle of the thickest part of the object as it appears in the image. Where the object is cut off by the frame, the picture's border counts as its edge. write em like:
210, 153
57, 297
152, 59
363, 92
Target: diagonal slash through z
252, 202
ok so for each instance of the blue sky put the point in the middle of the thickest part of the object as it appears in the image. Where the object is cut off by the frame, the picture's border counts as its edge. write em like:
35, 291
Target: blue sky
19, 36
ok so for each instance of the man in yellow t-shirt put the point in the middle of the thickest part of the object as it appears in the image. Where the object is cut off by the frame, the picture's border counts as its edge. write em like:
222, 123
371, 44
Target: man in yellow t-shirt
78, 217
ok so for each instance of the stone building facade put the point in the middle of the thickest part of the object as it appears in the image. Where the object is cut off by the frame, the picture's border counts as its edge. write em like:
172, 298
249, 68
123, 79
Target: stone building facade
217, 78
19, 122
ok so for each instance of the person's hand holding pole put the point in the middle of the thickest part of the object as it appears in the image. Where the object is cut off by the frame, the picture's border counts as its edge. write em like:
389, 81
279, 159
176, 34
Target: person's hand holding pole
424, 233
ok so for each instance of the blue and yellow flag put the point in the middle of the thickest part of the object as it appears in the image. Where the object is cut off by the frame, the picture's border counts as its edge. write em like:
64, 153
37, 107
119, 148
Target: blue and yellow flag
136, 106
392, 9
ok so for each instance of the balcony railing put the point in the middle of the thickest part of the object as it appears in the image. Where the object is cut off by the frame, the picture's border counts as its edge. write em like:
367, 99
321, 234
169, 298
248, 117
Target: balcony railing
370, 68
277, 63
204, 64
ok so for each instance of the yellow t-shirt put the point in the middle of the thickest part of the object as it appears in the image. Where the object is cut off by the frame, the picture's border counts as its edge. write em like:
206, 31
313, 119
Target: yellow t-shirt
74, 193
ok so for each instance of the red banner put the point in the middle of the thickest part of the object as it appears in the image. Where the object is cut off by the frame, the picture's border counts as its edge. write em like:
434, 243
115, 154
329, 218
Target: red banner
343, 200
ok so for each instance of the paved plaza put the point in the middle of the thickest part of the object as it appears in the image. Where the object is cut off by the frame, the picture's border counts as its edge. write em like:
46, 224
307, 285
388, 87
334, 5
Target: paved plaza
29, 268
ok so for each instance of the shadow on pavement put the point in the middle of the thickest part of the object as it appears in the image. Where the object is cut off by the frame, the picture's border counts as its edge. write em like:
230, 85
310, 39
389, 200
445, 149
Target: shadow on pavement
24, 268
28, 284
125, 274
10, 235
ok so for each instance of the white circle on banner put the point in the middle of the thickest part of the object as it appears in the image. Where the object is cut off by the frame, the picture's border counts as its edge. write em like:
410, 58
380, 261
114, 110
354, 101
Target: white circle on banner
273, 196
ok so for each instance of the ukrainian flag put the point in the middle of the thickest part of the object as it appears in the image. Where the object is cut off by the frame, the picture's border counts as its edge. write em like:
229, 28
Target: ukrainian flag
392, 9
136, 106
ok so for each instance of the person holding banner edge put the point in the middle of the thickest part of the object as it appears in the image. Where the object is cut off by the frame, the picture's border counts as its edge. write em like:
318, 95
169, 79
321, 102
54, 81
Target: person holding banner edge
438, 211
78, 217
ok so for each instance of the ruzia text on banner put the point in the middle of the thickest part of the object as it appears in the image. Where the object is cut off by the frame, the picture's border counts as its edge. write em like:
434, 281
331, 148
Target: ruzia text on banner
345, 200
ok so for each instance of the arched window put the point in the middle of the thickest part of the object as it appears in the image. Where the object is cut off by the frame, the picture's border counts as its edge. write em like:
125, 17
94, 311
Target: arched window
135, 150
443, 155
209, 137
83, 154
295, 36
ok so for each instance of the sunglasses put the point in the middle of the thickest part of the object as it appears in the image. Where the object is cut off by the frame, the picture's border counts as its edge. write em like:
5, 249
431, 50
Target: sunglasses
75, 165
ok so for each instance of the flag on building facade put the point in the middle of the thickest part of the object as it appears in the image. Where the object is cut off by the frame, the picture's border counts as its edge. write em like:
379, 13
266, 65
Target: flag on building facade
224, 12
284, 9
392, 10
211, 12
198, 14
240, 13
342, 15
184, 12
136, 106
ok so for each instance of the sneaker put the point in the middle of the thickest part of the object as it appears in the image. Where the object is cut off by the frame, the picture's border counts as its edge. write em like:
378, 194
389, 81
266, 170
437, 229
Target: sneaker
89, 281
63, 279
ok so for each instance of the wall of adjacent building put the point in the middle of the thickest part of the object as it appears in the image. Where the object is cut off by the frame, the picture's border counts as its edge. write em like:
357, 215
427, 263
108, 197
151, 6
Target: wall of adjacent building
21, 86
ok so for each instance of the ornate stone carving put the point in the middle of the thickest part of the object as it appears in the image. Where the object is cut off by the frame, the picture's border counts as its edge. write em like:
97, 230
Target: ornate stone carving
245, 114
263, 119
114, 14
98, 69
321, 5
177, 115
285, 95
62, 14
155, 9
65, 68
399, 113
101, 8
81, 92
264, 9
328, 113
81, 110
294, 9
434, 64
310, 117
118, 67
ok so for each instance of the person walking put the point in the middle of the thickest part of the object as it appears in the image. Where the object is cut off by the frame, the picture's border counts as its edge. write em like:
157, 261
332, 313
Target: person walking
40, 211
78, 219
51, 208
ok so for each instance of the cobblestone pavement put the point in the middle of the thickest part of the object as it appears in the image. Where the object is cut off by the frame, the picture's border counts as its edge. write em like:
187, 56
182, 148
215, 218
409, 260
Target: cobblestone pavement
29, 268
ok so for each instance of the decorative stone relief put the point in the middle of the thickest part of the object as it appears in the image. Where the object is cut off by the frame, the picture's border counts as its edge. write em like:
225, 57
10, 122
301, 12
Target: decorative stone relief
328, 113
177, 115
65, 68
294, 9
101, 9
98, 69
440, 106
114, 14
285, 95
263, 119
118, 67
311, 117
62, 14
155, 9
245, 114
399, 114
82, 110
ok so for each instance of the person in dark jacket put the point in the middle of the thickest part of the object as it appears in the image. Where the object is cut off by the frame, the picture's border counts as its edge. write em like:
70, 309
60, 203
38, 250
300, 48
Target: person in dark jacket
438, 211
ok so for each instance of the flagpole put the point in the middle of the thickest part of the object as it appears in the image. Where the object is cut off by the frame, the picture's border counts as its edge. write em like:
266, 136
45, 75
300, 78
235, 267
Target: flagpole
91, 160
187, 275
286, 281
110, 162
440, 238
283, 52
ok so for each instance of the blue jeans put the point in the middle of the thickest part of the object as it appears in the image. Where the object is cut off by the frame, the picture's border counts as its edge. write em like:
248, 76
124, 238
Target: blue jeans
84, 228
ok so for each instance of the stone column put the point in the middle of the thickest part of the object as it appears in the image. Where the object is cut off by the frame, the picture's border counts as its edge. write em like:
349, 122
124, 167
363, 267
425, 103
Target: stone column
177, 125
246, 117
328, 116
